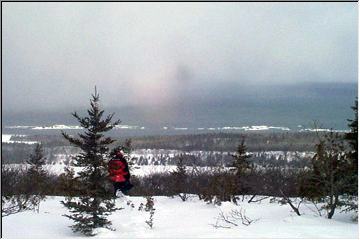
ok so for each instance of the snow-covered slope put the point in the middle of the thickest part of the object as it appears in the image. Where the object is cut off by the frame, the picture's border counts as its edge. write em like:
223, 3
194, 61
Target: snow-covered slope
192, 219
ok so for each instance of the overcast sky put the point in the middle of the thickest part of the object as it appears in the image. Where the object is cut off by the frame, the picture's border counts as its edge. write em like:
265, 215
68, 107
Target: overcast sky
151, 53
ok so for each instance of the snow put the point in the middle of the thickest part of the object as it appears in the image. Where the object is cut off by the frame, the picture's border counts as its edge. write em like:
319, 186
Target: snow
164, 128
181, 128
322, 130
140, 171
19, 127
135, 171
264, 128
191, 219
5, 138
69, 127
120, 126
56, 127
250, 128
145, 170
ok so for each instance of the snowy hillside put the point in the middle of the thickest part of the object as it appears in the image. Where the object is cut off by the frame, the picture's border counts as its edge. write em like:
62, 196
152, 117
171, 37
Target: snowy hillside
192, 219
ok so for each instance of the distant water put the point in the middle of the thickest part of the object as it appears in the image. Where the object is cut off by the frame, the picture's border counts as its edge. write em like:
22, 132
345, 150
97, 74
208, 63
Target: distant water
227, 109
129, 131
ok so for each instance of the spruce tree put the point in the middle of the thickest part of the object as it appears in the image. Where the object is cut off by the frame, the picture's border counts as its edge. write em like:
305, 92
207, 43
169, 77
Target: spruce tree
37, 159
180, 179
352, 136
241, 159
352, 155
327, 180
36, 176
90, 210
334, 174
242, 168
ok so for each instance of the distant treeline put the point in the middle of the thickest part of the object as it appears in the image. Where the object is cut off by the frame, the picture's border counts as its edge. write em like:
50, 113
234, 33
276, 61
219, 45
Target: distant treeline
255, 141
223, 142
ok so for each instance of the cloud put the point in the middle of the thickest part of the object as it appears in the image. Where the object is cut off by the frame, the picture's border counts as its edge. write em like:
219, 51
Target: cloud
155, 53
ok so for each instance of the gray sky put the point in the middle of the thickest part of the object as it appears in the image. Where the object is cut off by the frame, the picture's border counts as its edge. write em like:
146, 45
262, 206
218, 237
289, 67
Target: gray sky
152, 53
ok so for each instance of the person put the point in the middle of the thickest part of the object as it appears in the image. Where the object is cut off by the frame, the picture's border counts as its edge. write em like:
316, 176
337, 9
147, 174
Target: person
119, 173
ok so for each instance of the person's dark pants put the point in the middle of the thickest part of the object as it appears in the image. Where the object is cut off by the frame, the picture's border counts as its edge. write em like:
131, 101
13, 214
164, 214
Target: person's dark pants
124, 187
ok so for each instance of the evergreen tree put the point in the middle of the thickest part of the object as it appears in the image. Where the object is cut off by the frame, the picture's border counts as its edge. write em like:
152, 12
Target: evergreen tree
36, 177
352, 136
180, 168
37, 159
68, 185
352, 171
95, 202
334, 170
242, 168
327, 180
180, 179
241, 159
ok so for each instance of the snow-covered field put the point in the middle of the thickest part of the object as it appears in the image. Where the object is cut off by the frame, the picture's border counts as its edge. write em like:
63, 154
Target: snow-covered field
136, 170
192, 219
5, 138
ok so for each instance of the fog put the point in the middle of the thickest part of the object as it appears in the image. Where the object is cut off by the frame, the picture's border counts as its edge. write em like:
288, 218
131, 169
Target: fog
159, 55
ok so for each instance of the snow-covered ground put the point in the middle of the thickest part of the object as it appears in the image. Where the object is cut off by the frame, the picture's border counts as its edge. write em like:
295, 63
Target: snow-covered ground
5, 138
192, 219
136, 170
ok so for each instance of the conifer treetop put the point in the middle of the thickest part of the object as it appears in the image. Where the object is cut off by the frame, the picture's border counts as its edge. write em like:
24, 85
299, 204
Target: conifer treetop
93, 123
37, 158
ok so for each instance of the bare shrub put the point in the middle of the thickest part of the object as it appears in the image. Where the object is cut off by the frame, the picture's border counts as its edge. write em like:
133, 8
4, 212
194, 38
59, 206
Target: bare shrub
17, 203
148, 207
235, 218
220, 185
14, 197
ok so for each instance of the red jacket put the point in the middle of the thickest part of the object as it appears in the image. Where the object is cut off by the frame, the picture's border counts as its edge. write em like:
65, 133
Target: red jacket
118, 170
